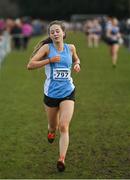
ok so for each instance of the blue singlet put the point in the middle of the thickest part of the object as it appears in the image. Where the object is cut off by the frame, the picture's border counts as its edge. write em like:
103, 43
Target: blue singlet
59, 83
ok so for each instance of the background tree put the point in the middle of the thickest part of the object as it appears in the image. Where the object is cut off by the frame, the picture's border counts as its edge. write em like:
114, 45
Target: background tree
63, 9
8, 9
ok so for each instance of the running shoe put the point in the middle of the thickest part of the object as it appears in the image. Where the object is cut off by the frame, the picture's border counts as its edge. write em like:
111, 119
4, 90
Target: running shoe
51, 136
60, 166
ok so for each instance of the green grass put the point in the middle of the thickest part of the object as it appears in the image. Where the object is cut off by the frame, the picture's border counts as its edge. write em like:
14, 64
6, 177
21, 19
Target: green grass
100, 128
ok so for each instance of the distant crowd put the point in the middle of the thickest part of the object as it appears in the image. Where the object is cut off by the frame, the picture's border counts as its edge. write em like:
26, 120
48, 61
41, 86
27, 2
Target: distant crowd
16, 33
21, 30
98, 28
112, 31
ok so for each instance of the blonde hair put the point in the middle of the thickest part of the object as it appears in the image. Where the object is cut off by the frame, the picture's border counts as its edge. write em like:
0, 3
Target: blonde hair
48, 40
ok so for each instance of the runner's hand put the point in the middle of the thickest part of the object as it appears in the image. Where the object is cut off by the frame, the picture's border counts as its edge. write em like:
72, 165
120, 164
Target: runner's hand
54, 59
77, 67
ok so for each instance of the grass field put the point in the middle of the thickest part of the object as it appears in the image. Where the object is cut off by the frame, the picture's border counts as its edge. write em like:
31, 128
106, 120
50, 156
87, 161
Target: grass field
100, 128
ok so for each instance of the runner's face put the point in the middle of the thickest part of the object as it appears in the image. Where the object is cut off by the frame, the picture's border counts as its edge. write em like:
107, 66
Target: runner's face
56, 33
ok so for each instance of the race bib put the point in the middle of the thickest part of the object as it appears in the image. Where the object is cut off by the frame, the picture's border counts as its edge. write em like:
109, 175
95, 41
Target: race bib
61, 74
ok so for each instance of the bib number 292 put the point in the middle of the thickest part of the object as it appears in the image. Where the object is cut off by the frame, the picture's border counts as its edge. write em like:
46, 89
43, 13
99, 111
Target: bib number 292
61, 74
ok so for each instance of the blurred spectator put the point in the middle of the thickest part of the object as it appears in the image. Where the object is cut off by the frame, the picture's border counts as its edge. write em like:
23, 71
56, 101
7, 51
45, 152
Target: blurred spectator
2, 25
88, 32
2, 50
113, 39
27, 31
9, 25
5, 45
16, 33
37, 27
93, 31
127, 34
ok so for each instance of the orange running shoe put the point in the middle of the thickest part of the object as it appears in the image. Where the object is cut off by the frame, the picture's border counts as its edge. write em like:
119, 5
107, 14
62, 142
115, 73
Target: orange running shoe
51, 136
